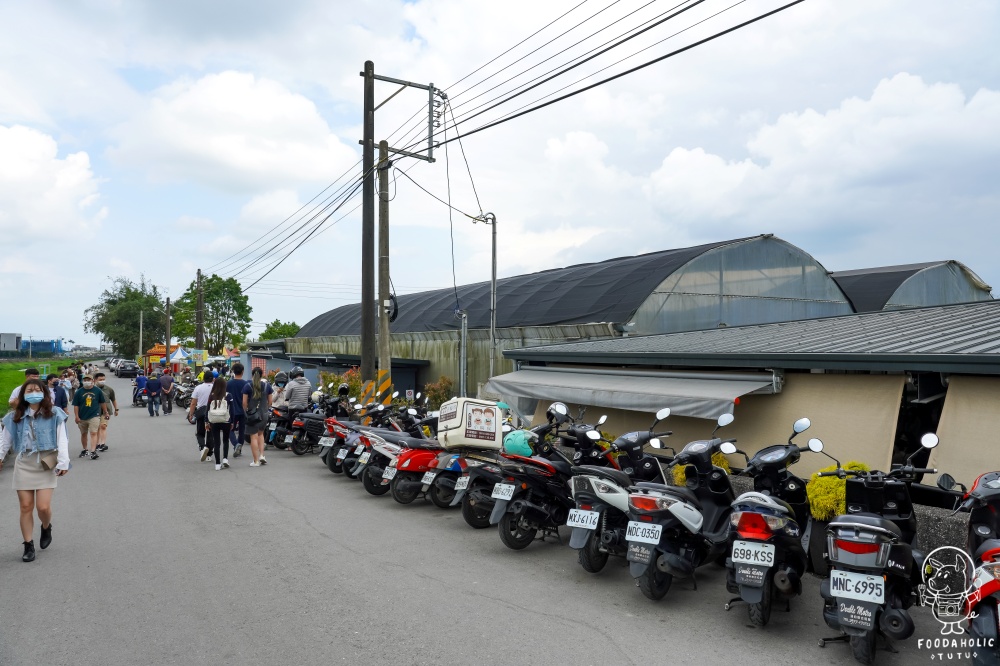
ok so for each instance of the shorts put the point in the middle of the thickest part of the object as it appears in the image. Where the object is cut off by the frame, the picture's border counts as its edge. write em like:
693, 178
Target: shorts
90, 425
105, 420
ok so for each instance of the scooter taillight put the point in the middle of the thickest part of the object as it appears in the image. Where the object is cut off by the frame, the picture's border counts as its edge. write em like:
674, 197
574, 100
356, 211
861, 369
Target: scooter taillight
857, 548
298, 424
650, 503
750, 525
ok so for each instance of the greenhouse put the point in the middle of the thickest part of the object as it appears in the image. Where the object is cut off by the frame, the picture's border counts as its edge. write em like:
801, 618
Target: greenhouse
912, 285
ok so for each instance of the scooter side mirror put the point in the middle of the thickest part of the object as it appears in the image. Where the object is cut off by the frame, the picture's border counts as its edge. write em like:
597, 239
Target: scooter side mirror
929, 441
656, 443
816, 445
725, 420
395, 394
593, 435
728, 448
604, 419
946, 482
411, 411
417, 397
352, 400
801, 425
662, 414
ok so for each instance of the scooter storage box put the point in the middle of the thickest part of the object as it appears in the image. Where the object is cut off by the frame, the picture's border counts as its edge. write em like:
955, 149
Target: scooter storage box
470, 423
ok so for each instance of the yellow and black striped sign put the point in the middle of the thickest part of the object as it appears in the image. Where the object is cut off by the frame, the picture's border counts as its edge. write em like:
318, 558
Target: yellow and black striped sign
385, 386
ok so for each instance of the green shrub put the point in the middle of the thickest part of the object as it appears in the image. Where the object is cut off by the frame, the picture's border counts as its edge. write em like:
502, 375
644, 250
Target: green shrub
680, 471
440, 391
827, 494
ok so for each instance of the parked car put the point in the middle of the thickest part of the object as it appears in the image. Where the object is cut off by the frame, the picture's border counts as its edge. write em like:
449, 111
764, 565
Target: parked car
127, 369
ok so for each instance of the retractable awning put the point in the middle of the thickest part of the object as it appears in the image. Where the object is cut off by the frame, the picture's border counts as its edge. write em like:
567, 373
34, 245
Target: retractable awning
701, 395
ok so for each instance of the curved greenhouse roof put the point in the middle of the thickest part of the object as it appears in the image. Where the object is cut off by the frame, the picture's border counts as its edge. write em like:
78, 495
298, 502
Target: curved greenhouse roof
747, 280
911, 285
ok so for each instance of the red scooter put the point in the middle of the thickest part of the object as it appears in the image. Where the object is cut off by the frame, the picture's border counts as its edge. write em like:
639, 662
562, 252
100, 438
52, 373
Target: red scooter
406, 475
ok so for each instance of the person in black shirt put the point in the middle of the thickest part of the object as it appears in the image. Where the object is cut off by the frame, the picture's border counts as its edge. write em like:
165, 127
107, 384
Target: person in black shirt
155, 390
59, 397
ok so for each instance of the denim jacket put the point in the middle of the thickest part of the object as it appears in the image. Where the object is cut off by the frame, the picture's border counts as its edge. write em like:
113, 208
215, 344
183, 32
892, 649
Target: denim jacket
45, 430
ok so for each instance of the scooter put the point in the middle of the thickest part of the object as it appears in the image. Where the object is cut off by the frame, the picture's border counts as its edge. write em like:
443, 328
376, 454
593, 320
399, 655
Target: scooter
600, 518
982, 602
767, 558
874, 568
278, 434
671, 530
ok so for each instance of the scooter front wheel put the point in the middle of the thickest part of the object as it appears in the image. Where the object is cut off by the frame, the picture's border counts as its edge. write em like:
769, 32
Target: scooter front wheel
515, 535
592, 559
863, 647
372, 483
653, 583
477, 516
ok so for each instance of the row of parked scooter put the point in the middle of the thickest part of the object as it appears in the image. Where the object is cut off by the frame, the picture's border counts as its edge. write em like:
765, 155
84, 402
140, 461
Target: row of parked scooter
619, 499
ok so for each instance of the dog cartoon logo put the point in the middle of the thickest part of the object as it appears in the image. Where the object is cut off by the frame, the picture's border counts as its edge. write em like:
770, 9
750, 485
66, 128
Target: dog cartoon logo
948, 579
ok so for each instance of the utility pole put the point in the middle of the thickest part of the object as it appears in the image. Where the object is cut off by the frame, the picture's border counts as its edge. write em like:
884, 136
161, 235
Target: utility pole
199, 317
368, 228
491, 220
384, 348
140, 333
168, 331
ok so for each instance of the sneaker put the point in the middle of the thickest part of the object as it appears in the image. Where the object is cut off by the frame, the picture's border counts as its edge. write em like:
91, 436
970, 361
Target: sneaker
225, 463
102, 448
93, 455
237, 451
219, 467
253, 464
263, 460
204, 454
83, 454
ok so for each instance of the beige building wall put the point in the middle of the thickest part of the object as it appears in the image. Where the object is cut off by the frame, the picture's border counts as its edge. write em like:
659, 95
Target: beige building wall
854, 415
970, 440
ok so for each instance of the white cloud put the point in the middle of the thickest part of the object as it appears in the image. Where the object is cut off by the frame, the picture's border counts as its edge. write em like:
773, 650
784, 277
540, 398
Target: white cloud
43, 196
193, 223
232, 131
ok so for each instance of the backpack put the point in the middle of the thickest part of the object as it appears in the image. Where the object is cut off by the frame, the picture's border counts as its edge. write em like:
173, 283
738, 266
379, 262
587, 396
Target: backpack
218, 411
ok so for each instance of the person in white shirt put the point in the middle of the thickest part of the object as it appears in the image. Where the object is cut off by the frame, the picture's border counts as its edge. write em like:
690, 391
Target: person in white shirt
30, 373
198, 411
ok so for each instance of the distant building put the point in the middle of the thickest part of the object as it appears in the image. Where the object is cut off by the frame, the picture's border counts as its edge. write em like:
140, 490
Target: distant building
10, 342
42, 346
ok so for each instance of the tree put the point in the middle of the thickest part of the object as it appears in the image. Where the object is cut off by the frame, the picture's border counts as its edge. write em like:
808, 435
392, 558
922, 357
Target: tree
227, 313
116, 316
277, 330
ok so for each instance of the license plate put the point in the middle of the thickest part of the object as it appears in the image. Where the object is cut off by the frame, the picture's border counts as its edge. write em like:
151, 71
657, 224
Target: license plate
850, 585
365, 457
428, 478
585, 519
359, 449
503, 491
643, 532
341, 454
273, 426
752, 552
639, 553
462, 483
326, 441
288, 438
389, 473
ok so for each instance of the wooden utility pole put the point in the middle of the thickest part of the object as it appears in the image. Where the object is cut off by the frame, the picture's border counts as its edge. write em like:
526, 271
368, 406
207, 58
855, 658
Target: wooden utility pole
168, 331
384, 349
199, 317
368, 228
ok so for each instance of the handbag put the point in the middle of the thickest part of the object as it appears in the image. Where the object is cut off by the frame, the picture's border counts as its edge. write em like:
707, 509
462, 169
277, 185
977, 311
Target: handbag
49, 460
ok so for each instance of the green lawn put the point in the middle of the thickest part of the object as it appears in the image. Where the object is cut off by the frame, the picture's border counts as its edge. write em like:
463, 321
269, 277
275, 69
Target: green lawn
12, 373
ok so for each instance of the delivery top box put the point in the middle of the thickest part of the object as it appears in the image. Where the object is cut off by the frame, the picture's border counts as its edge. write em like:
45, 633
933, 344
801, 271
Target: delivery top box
467, 422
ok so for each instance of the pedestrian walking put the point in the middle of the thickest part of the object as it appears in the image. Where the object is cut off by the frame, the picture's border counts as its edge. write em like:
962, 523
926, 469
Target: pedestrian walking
89, 405
197, 412
234, 387
58, 394
155, 390
219, 422
36, 432
167, 383
112, 403
256, 401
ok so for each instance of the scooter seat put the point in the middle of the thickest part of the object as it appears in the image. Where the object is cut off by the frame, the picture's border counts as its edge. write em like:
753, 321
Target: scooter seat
613, 475
305, 416
870, 519
677, 491
412, 442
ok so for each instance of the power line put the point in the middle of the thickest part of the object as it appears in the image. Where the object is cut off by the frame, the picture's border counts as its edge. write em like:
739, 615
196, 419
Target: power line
626, 72
437, 198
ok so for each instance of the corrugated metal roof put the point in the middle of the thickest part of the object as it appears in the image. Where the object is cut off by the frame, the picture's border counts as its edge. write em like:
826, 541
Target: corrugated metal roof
964, 334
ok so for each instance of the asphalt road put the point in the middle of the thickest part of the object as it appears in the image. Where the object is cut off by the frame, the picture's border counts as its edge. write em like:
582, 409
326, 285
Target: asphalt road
159, 559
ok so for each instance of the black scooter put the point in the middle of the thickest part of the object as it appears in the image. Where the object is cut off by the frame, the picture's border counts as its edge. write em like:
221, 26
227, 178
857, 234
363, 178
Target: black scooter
767, 558
874, 567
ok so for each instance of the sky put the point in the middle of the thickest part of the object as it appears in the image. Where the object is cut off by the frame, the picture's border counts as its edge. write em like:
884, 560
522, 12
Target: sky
152, 138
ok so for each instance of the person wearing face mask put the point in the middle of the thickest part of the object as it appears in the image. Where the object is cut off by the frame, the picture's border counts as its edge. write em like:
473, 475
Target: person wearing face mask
89, 405
30, 373
36, 432
112, 402
59, 396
